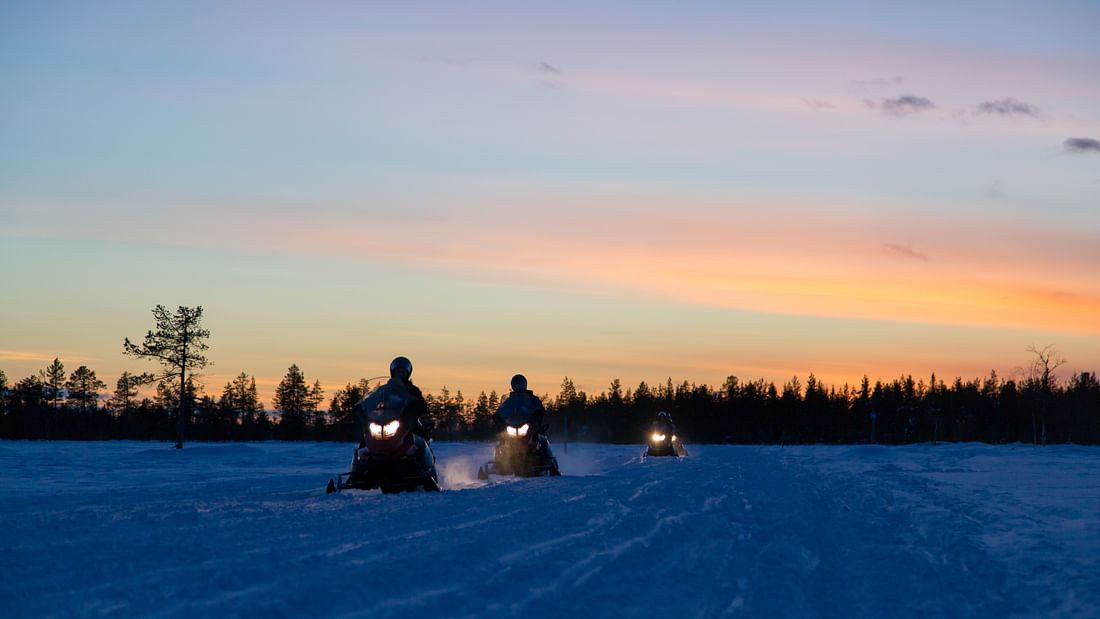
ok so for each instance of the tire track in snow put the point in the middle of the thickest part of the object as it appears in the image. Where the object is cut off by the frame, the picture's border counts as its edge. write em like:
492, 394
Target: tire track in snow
640, 516
353, 546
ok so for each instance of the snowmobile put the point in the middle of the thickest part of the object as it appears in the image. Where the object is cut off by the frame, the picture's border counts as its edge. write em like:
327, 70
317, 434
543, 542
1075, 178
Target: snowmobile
664, 444
390, 456
521, 451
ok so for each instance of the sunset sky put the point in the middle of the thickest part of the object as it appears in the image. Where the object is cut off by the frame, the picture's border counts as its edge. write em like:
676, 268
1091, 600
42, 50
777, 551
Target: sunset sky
633, 190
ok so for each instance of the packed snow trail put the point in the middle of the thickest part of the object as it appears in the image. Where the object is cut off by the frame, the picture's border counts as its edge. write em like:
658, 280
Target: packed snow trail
955, 530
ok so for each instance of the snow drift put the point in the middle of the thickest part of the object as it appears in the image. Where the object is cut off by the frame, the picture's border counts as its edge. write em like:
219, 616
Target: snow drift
967, 530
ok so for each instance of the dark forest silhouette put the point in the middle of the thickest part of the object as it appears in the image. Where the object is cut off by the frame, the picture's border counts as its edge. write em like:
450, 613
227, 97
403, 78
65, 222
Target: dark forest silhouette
1034, 409
904, 410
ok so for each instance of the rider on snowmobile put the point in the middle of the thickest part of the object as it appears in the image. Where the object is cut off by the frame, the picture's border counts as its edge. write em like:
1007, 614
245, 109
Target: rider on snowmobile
663, 425
394, 453
662, 439
399, 386
520, 407
523, 449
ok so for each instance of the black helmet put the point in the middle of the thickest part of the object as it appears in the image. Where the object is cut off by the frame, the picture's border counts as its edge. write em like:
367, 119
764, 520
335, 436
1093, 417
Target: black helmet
519, 382
403, 364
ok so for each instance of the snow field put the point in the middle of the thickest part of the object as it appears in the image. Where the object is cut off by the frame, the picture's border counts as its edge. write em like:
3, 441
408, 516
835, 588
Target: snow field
122, 528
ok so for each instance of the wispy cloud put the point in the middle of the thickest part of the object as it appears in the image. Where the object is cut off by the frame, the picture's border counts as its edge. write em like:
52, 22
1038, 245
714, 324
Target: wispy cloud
551, 75
906, 104
23, 355
1082, 145
906, 251
817, 104
546, 67
1008, 107
880, 81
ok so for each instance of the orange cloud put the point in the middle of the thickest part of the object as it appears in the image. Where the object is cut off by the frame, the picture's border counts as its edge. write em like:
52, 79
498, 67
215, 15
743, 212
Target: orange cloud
17, 355
770, 255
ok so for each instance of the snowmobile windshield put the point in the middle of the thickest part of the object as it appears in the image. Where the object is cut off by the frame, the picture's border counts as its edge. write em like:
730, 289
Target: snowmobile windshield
387, 403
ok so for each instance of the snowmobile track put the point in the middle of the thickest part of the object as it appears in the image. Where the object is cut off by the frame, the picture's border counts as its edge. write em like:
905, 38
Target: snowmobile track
863, 531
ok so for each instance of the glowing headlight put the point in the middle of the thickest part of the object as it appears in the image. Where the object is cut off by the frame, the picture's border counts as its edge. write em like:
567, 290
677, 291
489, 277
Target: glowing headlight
510, 430
386, 431
657, 438
673, 437
514, 431
522, 430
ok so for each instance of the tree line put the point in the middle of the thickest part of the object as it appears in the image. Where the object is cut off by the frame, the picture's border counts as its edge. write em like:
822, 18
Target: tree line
50, 405
1037, 408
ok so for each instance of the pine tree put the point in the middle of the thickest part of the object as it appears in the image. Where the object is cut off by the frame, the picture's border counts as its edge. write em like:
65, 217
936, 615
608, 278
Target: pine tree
482, 417
126, 389
615, 392
239, 402
297, 403
29, 393
254, 395
3, 393
342, 408
445, 410
177, 345
458, 414
731, 389
83, 387
168, 395
53, 378
316, 416
568, 394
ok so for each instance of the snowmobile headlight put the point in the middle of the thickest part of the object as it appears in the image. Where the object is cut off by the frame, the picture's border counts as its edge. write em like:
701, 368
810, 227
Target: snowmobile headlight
380, 432
514, 431
674, 438
657, 438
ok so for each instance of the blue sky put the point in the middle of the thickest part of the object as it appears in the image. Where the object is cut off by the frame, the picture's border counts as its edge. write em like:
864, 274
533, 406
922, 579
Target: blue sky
615, 190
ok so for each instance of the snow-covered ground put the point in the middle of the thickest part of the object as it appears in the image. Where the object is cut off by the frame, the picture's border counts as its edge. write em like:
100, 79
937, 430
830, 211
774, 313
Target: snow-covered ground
866, 531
